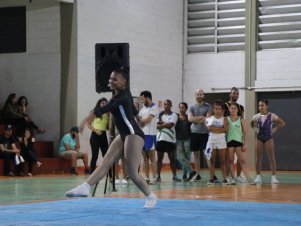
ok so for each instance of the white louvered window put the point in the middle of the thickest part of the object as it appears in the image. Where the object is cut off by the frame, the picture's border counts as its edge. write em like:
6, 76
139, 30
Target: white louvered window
215, 25
279, 24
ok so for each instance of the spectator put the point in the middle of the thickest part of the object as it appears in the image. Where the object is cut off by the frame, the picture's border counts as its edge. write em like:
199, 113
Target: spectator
70, 149
22, 103
234, 95
27, 150
183, 142
237, 142
166, 139
199, 133
8, 149
13, 116
98, 138
217, 124
148, 121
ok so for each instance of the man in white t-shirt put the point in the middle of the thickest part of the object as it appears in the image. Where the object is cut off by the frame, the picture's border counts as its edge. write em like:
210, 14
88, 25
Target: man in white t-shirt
148, 119
166, 139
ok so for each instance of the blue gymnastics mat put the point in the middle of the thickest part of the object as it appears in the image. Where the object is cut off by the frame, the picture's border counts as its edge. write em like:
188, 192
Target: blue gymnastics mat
130, 212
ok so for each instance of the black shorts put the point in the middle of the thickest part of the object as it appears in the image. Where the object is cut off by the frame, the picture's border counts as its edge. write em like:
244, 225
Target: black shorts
234, 144
164, 146
198, 141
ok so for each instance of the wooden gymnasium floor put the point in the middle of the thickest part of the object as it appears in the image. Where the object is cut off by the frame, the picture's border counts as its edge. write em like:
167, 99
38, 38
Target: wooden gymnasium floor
42, 188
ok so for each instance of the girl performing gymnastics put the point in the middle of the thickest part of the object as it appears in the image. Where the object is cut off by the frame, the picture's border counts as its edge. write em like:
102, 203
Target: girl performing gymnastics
128, 144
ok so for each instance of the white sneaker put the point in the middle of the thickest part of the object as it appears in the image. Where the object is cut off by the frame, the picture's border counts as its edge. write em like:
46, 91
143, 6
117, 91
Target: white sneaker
82, 190
232, 181
117, 181
274, 180
153, 181
251, 181
151, 201
241, 180
147, 180
258, 180
124, 182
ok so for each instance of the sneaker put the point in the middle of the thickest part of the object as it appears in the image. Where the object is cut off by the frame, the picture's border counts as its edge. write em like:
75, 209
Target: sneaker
147, 180
232, 181
151, 201
241, 180
211, 182
153, 181
158, 179
274, 180
258, 180
215, 179
251, 181
87, 171
29, 175
124, 182
197, 178
82, 190
184, 177
191, 175
10, 174
117, 181
225, 182
21, 174
176, 179
73, 171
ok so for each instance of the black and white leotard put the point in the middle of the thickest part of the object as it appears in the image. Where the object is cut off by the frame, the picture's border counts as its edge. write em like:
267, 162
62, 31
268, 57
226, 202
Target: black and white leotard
123, 111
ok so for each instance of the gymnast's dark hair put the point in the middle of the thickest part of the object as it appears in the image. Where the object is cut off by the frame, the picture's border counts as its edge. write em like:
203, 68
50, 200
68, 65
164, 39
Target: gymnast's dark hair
125, 72
265, 101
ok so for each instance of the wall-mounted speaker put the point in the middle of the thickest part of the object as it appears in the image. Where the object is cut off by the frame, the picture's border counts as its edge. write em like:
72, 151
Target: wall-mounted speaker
109, 56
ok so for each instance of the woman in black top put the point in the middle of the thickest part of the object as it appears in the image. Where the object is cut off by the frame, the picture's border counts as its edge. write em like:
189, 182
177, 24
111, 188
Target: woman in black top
27, 150
183, 142
127, 144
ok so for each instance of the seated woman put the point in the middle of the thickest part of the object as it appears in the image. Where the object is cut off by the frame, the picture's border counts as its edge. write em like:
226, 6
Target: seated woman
27, 150
12, 115
23, 109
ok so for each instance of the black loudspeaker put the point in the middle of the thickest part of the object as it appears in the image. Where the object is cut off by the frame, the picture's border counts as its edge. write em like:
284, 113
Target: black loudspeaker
109, 56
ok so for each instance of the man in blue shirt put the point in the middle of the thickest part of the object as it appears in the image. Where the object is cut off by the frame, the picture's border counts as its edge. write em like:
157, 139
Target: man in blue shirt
69, 149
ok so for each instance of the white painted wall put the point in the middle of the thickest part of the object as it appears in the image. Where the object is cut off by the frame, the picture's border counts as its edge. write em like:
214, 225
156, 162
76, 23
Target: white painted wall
211, 70
279, 68
36, 73
154, 31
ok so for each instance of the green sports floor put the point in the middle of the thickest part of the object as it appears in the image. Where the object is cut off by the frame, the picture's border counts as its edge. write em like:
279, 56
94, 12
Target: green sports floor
40, 200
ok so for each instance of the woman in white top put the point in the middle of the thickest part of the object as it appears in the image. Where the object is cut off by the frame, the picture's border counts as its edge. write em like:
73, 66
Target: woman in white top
218, 127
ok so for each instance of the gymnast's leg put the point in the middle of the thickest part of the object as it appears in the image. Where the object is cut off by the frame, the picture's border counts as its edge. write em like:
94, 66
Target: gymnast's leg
114, 153
133, 155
